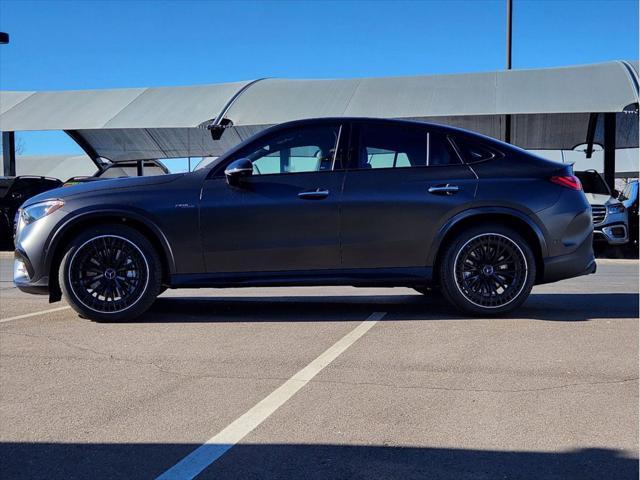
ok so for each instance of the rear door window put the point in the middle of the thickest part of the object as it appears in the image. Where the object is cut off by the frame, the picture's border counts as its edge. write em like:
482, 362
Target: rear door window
401, 146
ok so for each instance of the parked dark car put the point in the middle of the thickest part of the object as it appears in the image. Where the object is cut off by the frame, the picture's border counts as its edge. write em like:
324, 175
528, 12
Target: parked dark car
14, 191
342, 201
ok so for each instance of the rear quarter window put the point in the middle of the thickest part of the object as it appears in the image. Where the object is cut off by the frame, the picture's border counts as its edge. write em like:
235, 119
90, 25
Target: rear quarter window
473, 151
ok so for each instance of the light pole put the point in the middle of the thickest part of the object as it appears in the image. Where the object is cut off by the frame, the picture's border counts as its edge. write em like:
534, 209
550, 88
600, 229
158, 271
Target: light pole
507, 117
8, 138
509, 17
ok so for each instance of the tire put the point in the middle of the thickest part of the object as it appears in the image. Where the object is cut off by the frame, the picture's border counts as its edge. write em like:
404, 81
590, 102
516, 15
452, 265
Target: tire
110, 273
487, 270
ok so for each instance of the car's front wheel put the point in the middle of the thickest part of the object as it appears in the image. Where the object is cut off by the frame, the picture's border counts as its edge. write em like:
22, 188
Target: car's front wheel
110, 273
488, 270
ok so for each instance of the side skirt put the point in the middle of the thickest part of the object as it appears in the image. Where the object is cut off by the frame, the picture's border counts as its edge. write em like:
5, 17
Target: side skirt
370, 277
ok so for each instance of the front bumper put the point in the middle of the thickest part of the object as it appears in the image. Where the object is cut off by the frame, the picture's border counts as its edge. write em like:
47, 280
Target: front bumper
614, 234
31, 257
23, 276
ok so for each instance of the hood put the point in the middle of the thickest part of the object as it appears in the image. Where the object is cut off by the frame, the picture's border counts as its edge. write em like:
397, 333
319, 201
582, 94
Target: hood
100, 185
600, 199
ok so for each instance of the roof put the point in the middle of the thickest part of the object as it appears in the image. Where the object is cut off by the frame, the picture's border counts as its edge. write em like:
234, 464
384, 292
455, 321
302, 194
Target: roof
57, 166
165, 107
163, 122
602, 87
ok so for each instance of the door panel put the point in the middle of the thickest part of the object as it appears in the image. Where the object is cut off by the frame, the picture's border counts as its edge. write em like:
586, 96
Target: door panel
389, 215
389, 219
266, 226
285, 216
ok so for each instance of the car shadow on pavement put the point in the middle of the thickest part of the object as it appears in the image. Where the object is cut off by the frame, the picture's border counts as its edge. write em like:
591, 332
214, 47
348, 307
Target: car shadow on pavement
325, 461
569, 307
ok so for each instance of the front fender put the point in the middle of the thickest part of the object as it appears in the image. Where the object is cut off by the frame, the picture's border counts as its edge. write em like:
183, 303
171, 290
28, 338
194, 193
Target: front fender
91, 214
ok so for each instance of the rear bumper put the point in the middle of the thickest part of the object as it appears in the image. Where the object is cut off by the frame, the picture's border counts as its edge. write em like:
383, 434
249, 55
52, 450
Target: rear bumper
581, 261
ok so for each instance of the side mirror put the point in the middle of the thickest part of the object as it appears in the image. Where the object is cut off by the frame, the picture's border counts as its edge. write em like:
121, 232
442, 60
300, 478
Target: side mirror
238, 170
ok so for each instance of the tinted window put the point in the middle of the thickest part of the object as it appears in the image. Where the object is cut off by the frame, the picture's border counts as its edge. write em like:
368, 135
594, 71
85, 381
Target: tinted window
307, 149
592, 182
440, 151
473, 152
385, 146
33, 186
129, 170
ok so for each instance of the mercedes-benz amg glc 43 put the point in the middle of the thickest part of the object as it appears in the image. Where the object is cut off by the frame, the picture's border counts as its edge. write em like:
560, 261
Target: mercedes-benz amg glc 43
334, 201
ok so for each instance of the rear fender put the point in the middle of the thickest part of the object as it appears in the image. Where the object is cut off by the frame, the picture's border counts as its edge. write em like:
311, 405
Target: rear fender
467, 215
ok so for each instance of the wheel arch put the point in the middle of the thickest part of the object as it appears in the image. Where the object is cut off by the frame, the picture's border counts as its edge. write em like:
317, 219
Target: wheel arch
63, 235
508, 217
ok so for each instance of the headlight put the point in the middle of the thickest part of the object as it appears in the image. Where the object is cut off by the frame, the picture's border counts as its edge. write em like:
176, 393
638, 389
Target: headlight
38, 210
616, 208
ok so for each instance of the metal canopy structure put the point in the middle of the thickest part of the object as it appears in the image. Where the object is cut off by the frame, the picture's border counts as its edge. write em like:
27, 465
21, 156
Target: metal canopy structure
167, 107
550, 108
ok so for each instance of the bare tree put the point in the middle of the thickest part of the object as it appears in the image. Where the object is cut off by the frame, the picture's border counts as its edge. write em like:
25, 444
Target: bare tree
20, 145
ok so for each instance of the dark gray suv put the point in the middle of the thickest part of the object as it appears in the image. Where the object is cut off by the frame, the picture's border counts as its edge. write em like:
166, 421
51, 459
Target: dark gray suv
336, 201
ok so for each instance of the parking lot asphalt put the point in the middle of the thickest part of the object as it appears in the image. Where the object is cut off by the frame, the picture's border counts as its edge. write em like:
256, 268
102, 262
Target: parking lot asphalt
318, 383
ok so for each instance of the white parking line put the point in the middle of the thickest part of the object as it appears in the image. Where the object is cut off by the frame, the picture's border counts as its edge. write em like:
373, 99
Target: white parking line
27, 315
215, 447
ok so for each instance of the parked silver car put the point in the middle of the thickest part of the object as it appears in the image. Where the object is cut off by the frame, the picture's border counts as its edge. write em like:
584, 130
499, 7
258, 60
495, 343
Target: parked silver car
610, 217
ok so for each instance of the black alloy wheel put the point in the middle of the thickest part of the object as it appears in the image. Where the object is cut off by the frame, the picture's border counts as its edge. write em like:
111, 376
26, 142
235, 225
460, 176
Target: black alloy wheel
108, 273
488, 270
111, 273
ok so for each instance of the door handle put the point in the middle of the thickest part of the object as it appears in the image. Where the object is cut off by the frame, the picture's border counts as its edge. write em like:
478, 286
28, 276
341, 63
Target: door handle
317, 194
444, 189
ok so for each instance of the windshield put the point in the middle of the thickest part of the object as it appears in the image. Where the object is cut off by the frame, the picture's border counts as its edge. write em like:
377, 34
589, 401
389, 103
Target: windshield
119, 170
205, 162
592, 182
630, 191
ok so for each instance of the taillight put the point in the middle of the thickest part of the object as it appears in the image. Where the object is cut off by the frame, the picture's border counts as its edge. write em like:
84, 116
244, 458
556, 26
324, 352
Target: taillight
568, 181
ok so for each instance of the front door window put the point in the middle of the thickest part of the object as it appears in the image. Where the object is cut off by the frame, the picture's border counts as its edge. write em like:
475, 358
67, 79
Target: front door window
310, 149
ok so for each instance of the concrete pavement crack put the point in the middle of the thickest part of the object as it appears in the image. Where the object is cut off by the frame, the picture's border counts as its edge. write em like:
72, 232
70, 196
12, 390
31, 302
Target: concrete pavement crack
110, 356
522, 390
375, 384
101, 354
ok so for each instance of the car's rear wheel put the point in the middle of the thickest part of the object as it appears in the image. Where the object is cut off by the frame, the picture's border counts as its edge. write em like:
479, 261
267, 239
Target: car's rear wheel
488, 270
110, 273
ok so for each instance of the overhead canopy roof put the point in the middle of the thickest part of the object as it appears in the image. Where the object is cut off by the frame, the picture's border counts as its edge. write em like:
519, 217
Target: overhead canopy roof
164, 122
57, 166
118, 108
605, 87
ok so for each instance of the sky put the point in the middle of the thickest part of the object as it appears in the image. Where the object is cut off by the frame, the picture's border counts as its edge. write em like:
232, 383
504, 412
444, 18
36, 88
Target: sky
59, 45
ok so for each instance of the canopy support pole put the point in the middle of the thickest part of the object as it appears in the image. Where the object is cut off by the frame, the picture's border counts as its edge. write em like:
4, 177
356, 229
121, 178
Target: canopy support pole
9, 154
591, 133
84, 145
610, 149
